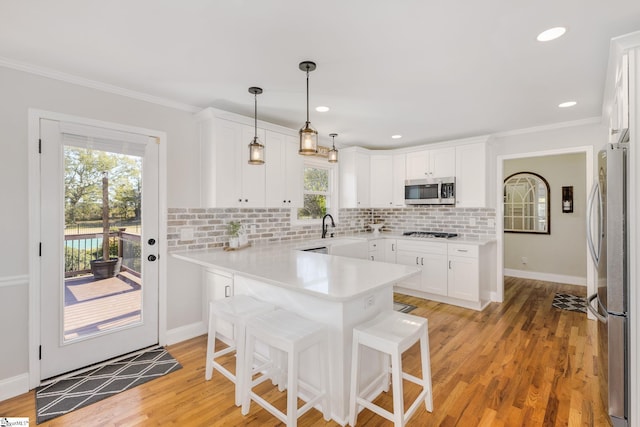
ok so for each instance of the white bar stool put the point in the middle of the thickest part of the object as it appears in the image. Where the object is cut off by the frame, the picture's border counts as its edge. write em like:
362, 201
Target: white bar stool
235, 310
291, 334
391, 333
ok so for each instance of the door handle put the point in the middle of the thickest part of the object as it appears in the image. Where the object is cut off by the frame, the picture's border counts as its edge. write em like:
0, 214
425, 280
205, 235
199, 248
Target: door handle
592, 197
152, 258
594, 311
152, 242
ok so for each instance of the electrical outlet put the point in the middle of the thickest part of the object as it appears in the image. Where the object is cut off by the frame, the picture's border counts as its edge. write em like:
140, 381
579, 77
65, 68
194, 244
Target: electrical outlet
186, 234
369, 301
524, 260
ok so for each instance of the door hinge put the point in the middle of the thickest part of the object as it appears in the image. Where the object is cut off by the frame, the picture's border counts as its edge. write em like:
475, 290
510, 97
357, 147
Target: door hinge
40, 146
40, 353
40, 249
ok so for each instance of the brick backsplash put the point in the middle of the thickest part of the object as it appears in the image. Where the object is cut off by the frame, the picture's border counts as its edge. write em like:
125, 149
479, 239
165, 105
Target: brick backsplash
209, 225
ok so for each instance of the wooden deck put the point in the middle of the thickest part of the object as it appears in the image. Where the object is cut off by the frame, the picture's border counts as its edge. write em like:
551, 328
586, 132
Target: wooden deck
93, 306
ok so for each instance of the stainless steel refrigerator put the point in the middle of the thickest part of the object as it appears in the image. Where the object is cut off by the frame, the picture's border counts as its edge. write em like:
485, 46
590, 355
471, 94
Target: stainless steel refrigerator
607, 236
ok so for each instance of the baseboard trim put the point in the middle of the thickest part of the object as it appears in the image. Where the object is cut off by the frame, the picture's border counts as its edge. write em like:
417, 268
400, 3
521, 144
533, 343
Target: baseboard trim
186, 332
547, 277
14, 280
14, 386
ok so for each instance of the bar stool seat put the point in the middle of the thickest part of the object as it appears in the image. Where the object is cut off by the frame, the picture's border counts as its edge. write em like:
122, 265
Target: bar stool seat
391, 333
235, 310
291, 334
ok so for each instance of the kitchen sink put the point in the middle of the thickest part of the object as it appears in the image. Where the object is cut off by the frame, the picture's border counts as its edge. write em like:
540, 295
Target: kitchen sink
318, 250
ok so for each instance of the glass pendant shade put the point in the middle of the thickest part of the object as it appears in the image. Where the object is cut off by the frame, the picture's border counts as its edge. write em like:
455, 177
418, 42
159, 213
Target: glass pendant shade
308, 141
333, 153
256, 150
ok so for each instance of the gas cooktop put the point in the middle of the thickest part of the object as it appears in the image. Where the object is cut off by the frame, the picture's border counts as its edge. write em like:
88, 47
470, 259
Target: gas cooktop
429, 234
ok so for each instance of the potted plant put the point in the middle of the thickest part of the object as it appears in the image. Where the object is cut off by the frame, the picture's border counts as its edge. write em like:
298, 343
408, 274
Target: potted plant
233, 228
105, 267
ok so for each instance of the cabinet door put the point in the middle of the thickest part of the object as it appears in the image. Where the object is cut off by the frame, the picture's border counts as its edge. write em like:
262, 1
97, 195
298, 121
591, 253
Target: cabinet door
412, 259
381, 181
362, 180
358, 250
471, 179
434, 273
463, 278
399, 176
228, 185
219, 286
376, 250
390, 250
294, 171
442, 162
253, 176
275, 174
417, 164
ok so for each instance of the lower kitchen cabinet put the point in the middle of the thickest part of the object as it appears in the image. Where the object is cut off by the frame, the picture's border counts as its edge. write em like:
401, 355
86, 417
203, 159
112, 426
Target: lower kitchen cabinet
453, 273
218, 285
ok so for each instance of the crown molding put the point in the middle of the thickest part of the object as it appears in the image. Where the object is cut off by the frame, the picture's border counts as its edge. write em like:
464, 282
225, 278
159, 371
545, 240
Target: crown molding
562, 125
94, 84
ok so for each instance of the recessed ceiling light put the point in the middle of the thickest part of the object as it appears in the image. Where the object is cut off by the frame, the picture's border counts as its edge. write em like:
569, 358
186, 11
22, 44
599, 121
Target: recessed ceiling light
551, 34
567, 104
322, 109
396, 136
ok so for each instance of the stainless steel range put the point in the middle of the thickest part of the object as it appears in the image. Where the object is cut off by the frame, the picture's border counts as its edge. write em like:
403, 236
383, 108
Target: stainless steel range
429, 234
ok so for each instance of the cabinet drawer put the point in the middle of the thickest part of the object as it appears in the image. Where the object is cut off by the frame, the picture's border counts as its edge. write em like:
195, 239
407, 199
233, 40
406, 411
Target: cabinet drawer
462, 250
424, 247
375, 244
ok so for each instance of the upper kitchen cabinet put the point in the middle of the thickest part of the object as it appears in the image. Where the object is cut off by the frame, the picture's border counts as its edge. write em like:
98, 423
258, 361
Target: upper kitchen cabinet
232, 181
284, 169
387, 180
355, 178
473, 177
434, 163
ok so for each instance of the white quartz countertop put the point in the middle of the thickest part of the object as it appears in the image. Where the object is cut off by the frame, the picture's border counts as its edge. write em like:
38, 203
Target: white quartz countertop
327, 276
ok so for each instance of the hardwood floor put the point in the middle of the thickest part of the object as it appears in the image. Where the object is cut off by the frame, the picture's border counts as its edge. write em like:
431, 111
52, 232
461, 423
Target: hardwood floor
520, 363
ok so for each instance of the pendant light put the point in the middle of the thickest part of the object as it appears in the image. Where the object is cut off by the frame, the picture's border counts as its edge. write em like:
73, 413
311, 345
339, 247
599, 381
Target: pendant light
256, 150
308, 135
333, 153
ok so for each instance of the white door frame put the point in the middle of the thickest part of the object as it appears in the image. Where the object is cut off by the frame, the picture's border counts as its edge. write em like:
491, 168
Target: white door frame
33, 136
589, 170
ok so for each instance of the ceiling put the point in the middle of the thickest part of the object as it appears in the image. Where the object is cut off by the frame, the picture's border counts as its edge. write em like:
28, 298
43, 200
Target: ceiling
428, 70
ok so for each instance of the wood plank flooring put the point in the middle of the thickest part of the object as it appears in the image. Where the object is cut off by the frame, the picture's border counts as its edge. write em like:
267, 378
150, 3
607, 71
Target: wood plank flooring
520, 363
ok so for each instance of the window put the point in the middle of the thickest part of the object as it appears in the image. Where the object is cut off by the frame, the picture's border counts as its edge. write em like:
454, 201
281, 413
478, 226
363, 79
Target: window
526, 204
316, 192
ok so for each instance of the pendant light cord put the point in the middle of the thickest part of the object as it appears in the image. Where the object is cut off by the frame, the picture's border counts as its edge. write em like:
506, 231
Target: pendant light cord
307, 95
255, 116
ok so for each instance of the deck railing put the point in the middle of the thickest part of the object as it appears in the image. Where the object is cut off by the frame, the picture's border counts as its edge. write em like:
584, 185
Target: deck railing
81, 249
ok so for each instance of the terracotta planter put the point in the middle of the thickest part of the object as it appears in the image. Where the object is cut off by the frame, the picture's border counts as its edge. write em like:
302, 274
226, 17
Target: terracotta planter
105, 269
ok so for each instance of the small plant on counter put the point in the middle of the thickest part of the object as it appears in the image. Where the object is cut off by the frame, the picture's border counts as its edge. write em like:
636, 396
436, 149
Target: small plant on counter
234, 228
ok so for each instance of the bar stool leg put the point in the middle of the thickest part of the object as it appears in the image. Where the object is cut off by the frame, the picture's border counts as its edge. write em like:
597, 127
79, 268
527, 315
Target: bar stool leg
353, 394
426, 371
323, 355
248, 368
292, 389
239, 335
398, 392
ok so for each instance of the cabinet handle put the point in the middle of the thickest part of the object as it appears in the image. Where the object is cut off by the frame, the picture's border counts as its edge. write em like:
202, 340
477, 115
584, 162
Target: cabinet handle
372, 258
240, 200
462, 250
449, 265
416, 260
227, 291
288, 201
246, 200
393, 247
284, 201
421, 261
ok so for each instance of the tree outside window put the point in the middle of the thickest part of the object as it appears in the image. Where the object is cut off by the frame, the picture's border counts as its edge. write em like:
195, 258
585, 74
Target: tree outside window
316, 192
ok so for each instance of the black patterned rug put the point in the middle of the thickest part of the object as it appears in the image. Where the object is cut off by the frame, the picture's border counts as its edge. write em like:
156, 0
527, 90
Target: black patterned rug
403, 308
80, 390
570, 302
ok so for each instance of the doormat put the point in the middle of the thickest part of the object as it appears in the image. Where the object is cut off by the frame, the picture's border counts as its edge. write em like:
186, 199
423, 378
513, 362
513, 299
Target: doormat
570, 302
80, 390
403, 308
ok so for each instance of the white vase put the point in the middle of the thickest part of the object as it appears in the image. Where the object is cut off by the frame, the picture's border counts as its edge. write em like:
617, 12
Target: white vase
234, 242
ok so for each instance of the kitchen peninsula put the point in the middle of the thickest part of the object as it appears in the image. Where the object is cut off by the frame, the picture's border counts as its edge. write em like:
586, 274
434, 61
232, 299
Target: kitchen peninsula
337, 291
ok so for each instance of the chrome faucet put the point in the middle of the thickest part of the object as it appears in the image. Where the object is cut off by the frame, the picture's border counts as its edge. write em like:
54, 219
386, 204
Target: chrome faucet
325, 226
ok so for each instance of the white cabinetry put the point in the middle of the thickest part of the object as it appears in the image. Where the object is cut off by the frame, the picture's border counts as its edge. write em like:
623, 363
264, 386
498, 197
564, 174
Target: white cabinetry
354, 178
399, 176
463, 272
436, 163
227, 178
472, 180
390, 250
284, 169
376, 250
218, 285
381, 181
431, 258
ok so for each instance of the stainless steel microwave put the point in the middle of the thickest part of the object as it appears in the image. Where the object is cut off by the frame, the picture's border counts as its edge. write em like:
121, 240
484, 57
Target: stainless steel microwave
432, 191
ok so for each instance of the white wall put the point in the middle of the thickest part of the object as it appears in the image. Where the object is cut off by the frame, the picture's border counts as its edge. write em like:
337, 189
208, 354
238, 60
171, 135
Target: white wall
21, 91
560, 253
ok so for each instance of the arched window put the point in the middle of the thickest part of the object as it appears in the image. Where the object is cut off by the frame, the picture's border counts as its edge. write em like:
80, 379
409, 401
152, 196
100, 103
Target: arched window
526, 204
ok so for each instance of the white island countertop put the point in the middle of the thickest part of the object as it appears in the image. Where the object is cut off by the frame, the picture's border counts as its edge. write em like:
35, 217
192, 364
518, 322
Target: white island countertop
330, 277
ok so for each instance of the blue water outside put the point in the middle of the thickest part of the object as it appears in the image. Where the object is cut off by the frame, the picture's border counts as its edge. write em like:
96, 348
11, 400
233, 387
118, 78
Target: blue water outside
84, 243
